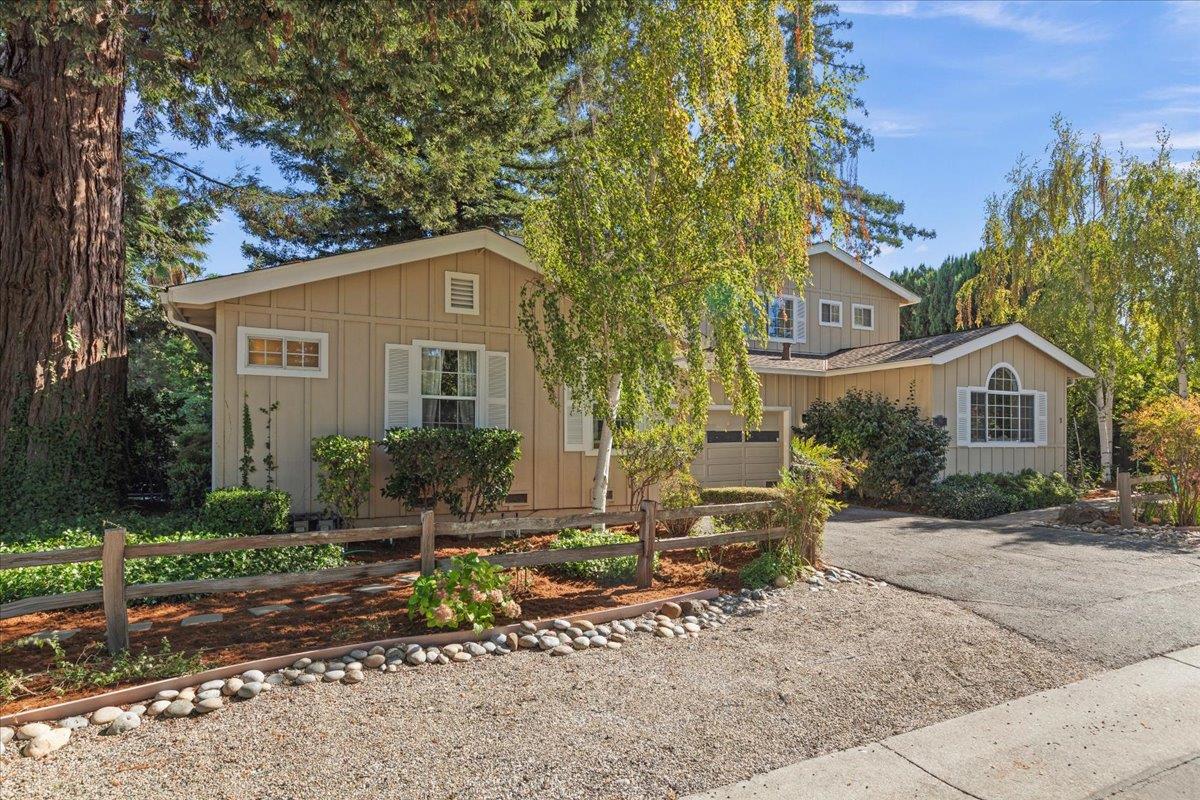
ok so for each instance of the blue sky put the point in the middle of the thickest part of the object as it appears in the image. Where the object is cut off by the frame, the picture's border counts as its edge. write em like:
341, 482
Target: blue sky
958, 90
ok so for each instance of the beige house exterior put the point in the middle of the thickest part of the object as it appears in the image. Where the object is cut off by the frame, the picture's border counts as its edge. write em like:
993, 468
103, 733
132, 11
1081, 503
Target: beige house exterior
347, 344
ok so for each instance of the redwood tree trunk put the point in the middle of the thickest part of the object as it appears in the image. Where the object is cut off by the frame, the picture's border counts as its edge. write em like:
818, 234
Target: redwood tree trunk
62, 328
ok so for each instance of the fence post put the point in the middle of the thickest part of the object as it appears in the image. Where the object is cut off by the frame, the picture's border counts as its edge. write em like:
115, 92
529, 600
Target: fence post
645, 561
428, 527
116, 618
1125, 495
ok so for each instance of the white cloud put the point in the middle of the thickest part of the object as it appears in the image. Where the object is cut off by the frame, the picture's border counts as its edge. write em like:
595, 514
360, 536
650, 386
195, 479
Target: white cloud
890, 124
996, 14
1144, 136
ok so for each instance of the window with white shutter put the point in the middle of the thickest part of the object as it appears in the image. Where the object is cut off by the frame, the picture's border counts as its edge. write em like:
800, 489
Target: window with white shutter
1001, 413
462, 293
577, 426
397, 379
1042, 426
497, 390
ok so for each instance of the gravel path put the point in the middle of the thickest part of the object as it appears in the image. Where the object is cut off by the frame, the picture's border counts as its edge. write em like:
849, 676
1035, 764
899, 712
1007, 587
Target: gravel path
818, 672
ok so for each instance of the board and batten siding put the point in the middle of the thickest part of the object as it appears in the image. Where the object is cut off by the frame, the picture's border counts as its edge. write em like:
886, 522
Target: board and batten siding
833, 280
362, 313
1036, 371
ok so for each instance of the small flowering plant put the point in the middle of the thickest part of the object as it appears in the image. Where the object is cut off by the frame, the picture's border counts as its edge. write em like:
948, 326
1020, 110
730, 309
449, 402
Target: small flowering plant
471, 592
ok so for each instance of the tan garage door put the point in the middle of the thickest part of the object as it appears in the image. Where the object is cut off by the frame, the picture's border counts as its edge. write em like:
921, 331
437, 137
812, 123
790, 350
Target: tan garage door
732, 457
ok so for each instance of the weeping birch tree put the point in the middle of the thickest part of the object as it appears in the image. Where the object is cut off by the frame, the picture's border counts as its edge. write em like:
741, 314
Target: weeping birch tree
1052, 258
684, 201
1160, 222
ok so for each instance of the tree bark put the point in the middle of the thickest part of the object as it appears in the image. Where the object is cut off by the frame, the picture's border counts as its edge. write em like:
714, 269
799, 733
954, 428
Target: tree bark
62, 327
1104, 423
604, 450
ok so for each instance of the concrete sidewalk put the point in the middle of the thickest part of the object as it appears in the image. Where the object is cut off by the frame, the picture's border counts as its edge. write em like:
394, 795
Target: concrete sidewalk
1128, 734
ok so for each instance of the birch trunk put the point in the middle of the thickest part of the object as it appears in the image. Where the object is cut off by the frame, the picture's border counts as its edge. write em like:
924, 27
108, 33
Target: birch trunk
1104, 422
604, 450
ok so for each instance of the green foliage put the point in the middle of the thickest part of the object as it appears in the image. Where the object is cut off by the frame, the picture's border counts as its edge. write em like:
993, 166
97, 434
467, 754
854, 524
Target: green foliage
990, 494
246, 463
471, 592
740, 494
806, 495
902, 452
87, 531
694, 197
246, 512
471, 470
618, 569
344, 474
1166, 433
653, 454
269, 458
94, 668
938, 287
680, 491
768, 566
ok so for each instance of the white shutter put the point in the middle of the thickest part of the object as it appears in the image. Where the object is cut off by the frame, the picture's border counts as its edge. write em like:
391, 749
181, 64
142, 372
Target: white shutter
577, 426
800, 331
497, 390
397, 381
964, 416
1041, 411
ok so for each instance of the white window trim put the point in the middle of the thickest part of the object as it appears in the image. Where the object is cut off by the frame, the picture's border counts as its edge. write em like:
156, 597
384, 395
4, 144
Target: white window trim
244, 367
841, 323
854, 323
1020, 391
797, 330
474, 279
480, 378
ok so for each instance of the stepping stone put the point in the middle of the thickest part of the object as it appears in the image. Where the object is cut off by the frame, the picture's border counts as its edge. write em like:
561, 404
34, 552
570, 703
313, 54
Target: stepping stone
375, 588
61, 636
262, 611
328, 599
139, 627
202, 619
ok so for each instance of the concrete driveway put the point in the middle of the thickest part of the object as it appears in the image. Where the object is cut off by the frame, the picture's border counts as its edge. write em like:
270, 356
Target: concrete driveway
1110, 599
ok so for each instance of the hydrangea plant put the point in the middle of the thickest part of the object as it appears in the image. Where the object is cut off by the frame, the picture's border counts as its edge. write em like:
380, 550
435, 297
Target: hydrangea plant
471, 592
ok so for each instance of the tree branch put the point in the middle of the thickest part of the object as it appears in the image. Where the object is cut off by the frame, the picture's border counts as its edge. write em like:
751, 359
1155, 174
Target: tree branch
184, 167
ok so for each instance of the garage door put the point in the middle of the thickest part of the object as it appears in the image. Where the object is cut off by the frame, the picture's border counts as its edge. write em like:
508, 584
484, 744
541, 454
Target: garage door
732, 457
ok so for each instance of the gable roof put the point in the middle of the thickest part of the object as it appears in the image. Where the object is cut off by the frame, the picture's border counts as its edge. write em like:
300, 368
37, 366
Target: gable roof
934, 350
226, 287
239, 284
828, 248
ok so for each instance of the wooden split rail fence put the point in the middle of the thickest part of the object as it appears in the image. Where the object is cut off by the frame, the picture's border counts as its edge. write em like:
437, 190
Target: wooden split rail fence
1125, 484
114, 594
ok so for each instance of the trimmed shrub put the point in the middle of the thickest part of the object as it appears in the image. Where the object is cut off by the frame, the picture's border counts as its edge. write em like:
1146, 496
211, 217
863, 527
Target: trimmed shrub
740, 494
344, 477
16, 584
902, 452
470, 470
246, 512
680, 491
991, 494
619, 569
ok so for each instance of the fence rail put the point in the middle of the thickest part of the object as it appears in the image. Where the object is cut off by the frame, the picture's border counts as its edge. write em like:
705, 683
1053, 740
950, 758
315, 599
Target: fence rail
114, 594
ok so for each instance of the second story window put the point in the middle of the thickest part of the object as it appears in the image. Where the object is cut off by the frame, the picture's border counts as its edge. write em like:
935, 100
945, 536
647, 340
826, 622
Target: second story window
785, 320
862, 317
831, 313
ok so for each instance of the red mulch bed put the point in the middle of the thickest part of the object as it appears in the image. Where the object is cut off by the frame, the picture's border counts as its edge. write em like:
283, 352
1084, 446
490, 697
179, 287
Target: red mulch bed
243, 637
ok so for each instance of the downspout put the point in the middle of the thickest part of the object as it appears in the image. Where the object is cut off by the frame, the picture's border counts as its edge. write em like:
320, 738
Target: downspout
212, 335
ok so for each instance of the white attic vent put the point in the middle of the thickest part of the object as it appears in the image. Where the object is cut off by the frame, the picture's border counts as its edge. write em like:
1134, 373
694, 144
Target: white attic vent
462, 293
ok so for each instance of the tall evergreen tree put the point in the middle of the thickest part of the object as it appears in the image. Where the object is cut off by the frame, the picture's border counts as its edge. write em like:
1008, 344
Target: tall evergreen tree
938, 288
857, 217
396, 86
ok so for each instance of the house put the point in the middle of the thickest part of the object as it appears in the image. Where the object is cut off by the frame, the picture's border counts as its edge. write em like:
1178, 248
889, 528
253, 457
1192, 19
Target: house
348, 344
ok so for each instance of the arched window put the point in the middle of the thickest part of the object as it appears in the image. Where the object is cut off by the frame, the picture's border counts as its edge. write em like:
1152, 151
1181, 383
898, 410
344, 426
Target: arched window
1002, 412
